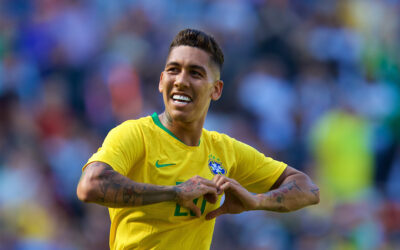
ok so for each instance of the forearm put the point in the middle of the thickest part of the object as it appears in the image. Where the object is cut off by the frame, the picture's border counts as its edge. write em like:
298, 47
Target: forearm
102, 185
297, 191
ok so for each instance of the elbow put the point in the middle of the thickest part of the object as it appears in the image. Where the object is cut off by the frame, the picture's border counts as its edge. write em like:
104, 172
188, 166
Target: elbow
84, 192
314, 200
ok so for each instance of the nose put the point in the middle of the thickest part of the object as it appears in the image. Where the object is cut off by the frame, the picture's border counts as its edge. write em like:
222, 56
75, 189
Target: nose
182, 80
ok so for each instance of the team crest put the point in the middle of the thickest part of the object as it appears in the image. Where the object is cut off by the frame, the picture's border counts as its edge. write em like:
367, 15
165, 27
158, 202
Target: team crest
215, 165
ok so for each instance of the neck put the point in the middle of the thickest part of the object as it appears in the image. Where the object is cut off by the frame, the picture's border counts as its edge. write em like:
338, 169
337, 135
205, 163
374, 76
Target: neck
188, 132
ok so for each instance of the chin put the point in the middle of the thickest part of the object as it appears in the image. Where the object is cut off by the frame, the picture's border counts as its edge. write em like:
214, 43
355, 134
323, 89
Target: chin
179, 116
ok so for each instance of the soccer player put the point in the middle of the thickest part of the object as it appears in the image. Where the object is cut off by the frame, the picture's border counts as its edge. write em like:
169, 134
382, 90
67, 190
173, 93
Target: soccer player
162, 176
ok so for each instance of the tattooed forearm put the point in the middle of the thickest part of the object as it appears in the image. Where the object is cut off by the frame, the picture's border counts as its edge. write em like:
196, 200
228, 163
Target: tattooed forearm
291, 196
128, 194
107, 187
279, 194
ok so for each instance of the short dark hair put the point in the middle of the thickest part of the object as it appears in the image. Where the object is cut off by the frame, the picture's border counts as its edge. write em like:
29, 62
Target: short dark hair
201, 40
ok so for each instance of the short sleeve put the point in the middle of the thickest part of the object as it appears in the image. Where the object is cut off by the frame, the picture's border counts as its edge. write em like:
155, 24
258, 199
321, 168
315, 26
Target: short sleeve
122, 147
254, 171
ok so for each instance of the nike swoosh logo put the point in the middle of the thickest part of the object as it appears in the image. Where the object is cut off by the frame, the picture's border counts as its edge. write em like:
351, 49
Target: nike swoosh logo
163, 165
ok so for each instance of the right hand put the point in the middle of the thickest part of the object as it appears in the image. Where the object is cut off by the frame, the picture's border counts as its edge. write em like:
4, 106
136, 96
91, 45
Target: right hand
194, 188
237, 198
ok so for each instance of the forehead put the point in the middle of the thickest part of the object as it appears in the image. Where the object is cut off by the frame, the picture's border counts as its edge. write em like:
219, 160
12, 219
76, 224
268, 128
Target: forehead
187, 55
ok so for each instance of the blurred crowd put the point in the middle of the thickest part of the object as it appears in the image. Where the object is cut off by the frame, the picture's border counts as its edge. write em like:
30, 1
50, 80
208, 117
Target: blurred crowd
315, 84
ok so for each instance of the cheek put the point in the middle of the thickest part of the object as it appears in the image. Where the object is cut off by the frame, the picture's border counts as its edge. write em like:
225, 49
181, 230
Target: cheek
205, 94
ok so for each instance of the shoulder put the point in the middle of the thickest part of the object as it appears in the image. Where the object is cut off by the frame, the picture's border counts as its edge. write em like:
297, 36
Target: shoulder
136, 123
131, 127
224, 140
216, 137
221, 139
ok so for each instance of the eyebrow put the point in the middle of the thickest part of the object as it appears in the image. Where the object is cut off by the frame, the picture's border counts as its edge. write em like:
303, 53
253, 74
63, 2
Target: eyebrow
192, 66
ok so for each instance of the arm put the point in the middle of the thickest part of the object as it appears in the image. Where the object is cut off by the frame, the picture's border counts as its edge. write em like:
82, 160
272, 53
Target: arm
100, 184
293, 190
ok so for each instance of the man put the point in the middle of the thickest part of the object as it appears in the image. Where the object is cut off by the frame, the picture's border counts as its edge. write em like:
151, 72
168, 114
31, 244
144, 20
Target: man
162, 176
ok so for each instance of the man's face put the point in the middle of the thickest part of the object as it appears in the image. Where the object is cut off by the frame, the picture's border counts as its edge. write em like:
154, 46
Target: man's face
188, 83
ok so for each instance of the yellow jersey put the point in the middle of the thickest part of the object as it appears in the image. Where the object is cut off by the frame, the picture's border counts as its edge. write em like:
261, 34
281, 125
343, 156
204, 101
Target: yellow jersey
147, 152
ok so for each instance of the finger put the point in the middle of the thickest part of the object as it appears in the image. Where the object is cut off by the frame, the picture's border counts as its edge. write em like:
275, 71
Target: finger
209, 183
215, 213
211, 198
216, 178
208, 190
224, 179
237, 190
234, 181
221, 181
194, 209
228, 186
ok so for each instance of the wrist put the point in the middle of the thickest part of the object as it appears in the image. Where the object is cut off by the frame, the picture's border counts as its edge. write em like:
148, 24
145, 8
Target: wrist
259, 201
175, 193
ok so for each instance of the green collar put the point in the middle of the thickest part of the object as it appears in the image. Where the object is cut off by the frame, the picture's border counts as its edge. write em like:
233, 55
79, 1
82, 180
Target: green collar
157, 121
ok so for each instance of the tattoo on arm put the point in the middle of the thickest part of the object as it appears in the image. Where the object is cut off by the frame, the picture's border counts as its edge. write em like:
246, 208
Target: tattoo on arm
116, 190
279, 194
127, 194
113, 187
292, 196
292, 184
106, 183
315, 191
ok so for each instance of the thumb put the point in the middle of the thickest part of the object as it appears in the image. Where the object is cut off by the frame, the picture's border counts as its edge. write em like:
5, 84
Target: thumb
217, 212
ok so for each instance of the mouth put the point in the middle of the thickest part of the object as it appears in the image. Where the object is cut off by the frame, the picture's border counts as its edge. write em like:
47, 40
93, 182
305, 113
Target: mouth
181, 98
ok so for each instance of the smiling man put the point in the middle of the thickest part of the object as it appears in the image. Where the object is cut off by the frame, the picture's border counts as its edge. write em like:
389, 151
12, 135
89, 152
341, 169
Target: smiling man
162, 176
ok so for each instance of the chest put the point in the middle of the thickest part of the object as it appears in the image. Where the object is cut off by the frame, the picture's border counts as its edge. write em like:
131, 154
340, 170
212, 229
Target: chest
168, 164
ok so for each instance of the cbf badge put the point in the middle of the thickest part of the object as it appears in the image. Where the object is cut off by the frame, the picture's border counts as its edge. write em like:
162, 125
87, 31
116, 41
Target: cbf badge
215, 165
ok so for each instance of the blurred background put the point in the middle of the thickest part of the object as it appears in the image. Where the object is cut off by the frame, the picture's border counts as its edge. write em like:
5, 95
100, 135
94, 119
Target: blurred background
315, 84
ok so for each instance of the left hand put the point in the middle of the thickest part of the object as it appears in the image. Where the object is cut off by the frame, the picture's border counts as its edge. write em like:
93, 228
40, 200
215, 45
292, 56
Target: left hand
194, 188
237, 198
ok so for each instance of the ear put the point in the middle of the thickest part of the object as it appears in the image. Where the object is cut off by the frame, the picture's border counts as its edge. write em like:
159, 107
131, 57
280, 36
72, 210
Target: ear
217, 90
160, 85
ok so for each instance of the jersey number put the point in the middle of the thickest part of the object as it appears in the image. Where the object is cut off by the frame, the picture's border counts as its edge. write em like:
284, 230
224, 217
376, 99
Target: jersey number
178, 211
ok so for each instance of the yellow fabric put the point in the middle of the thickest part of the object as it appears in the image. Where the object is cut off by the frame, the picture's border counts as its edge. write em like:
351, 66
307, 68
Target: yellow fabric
133, 149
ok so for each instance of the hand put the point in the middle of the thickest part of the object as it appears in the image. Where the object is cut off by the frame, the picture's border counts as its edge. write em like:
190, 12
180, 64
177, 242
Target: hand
237, 198
194, 188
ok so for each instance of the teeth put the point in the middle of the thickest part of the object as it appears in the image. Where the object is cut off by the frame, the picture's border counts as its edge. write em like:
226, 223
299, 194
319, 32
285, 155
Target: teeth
181, 98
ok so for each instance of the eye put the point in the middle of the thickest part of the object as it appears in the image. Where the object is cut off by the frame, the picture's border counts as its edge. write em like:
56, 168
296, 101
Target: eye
196, 74
172, 70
